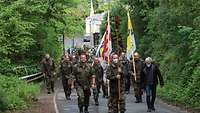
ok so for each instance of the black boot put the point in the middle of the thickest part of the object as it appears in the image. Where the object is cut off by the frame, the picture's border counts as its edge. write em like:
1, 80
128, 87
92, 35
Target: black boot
152, 107
137, 100
81, 109
86, 109
48, 91
96, 102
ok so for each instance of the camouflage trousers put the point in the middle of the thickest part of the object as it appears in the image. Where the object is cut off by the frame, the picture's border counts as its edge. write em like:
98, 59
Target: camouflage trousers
116, 104
97, 90
66, 87
49, 81
95, 93
137, 89
83, 96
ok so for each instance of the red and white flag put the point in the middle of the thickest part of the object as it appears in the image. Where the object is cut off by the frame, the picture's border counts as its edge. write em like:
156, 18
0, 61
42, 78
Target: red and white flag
107, 48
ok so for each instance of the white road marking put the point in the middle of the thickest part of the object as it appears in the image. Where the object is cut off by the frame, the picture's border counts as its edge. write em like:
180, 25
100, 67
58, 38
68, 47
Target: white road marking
54, 100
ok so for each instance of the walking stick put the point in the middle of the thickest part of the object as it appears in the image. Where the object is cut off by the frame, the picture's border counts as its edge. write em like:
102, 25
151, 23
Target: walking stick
119, 91
108, 83
134, 75
119, 95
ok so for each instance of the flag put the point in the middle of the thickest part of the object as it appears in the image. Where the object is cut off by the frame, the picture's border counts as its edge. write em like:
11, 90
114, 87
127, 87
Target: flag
99, 51
131, 46
100, 47
107, 49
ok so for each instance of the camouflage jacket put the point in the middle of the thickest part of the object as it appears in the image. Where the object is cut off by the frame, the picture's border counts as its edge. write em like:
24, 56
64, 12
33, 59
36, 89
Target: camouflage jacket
66, 69
48, 67
112, 72
83, 74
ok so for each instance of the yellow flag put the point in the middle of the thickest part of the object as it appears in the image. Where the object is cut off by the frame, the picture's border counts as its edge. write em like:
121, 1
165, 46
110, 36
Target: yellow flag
131, 45
129, 22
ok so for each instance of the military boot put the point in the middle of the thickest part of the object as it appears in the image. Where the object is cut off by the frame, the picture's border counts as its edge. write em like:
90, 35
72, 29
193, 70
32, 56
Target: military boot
96, 102
137, 100
81, 109
86, 109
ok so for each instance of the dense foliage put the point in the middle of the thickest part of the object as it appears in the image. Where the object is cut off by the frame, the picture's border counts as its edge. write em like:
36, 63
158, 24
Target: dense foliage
168, 31
15, 93
30, 28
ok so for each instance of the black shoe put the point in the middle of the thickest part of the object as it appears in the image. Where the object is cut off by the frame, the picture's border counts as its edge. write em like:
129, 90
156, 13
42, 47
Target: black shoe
137, 101
49, 92
97, 103
86, 109
103, 96
149, 110
153, 108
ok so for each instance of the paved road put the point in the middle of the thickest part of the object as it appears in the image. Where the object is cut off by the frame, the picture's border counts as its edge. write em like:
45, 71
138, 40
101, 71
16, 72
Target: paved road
65, 106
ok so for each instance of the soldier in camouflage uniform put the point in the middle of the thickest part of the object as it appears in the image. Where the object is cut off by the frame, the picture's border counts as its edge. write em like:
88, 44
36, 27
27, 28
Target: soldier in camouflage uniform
116, 77
66, 71
137, 82
84, 76
98, 70
74, 60
124, 61
48, 69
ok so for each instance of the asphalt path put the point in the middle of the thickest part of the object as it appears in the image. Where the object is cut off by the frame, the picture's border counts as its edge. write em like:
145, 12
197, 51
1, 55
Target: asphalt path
70, 106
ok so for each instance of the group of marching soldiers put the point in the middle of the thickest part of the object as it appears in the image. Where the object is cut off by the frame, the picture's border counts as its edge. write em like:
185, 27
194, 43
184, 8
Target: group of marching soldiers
114, 78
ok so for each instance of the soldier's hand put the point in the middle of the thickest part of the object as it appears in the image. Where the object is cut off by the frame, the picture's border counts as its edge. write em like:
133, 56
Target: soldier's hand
118, 76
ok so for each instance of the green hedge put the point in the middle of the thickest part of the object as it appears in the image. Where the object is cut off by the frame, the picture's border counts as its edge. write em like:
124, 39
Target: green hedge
15, 93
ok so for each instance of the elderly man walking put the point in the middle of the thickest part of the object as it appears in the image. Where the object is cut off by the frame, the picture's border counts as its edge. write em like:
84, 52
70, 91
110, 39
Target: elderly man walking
149, 77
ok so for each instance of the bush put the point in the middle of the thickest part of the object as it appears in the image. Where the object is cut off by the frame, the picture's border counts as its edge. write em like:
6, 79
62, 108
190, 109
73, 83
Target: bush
16, 93
3, 101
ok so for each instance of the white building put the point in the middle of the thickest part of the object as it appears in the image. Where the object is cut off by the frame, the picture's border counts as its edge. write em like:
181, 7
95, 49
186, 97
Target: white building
93, 23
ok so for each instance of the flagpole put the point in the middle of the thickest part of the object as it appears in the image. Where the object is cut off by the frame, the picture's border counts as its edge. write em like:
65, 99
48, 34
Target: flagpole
108, 57
134, 68
130, 31
119, 93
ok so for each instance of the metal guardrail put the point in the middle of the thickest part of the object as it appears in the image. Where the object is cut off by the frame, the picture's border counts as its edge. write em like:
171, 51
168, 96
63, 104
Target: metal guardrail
33, 77
25, 69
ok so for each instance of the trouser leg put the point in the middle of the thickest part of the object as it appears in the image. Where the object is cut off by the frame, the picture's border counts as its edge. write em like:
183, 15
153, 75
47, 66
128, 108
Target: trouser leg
153, 97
